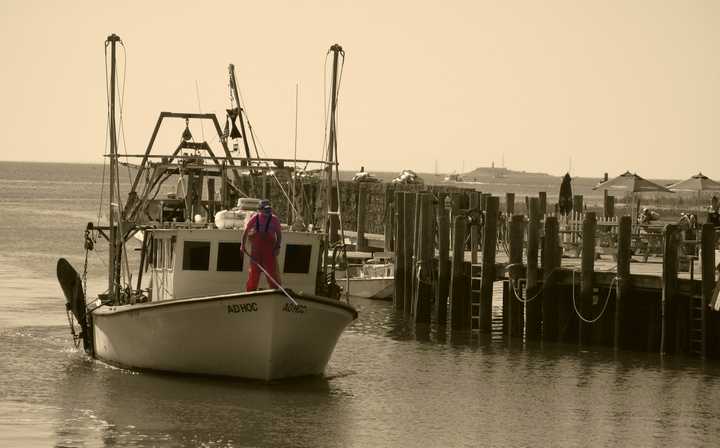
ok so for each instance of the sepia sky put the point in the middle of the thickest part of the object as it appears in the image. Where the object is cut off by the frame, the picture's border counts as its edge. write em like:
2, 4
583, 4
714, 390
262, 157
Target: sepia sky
602, 85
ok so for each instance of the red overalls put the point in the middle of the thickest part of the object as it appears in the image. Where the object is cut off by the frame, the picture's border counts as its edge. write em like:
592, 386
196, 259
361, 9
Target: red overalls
264, 232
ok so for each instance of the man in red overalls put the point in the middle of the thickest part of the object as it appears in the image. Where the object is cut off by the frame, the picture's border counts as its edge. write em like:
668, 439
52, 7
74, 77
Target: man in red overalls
263, 228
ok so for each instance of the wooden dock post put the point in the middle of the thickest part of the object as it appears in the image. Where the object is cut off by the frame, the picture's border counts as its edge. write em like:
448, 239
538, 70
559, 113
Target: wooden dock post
409, 249
608, 205
362, 245
443, 289
510, 203
474, 230
669, 285
533, 309
459, 301
513, 313
623, 278
707, 245
424, 292
578, 203
588, 273
492, 209
399, 295
551, 261
389, 220
542, 198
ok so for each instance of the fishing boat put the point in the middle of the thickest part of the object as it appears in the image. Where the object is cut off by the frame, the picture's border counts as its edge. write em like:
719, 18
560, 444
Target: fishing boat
369, 277
175, 298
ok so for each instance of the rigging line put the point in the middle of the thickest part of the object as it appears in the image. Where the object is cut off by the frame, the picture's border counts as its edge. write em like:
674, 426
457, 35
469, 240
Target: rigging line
197, 93
121, 97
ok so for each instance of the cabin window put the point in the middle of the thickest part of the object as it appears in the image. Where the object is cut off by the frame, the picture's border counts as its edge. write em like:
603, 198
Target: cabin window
196, 256
230, 257
297, 258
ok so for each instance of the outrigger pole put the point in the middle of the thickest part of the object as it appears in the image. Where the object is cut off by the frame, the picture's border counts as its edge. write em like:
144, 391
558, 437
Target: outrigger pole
333, 206
113, 265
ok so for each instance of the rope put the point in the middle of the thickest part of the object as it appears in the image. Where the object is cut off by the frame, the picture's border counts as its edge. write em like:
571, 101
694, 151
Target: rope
607, 300
537, 294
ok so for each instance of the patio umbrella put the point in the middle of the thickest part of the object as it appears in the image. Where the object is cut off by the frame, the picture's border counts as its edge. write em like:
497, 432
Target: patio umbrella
699, 183
633, 184
565, 198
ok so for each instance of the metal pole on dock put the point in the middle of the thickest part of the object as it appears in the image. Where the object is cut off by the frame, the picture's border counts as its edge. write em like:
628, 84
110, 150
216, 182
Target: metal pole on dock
608, 205
589, 227
623, 273
542, 198
492, 210
533, 309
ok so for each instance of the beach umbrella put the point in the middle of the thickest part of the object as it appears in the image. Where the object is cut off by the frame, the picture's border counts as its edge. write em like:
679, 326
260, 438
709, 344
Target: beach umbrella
699, 183
633, 184
565, 198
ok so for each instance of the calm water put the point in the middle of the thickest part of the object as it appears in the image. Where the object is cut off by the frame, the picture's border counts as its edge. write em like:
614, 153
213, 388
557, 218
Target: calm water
387, 384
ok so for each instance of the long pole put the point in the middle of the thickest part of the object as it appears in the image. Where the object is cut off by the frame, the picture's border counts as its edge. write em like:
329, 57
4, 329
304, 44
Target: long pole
332, 147
112, 265
294, 179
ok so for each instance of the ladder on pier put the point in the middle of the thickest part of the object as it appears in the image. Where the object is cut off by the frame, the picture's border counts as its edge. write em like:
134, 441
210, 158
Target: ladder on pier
475, 282
697, 325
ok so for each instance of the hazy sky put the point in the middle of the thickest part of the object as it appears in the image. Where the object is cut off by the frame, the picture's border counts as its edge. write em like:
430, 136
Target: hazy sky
614, 85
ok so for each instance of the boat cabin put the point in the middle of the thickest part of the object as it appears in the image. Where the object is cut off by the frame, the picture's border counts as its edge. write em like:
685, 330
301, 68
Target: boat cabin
197, 262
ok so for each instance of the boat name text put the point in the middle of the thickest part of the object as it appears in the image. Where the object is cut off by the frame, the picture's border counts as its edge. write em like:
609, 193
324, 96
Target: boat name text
291, 308
242, 308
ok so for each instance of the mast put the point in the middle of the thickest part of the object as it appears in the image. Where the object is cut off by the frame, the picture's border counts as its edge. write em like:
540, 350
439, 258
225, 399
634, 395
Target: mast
113, 265
236, 97
333, 206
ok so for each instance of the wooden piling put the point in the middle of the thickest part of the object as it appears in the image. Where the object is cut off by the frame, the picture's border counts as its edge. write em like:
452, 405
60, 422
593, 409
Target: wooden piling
533, 309
399, 295
588, 273
608, 205
707, 267
362, 245
513, 313
671, 243
443, 289
578, 203
492, 210
389, 224
510, 203
424, 291
410, 201
624, 255
551, 261
474, 230
459, 302
542, 197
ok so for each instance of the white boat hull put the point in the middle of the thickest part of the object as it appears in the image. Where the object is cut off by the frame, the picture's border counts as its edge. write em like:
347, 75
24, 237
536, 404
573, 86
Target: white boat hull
372, 287
258, 335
